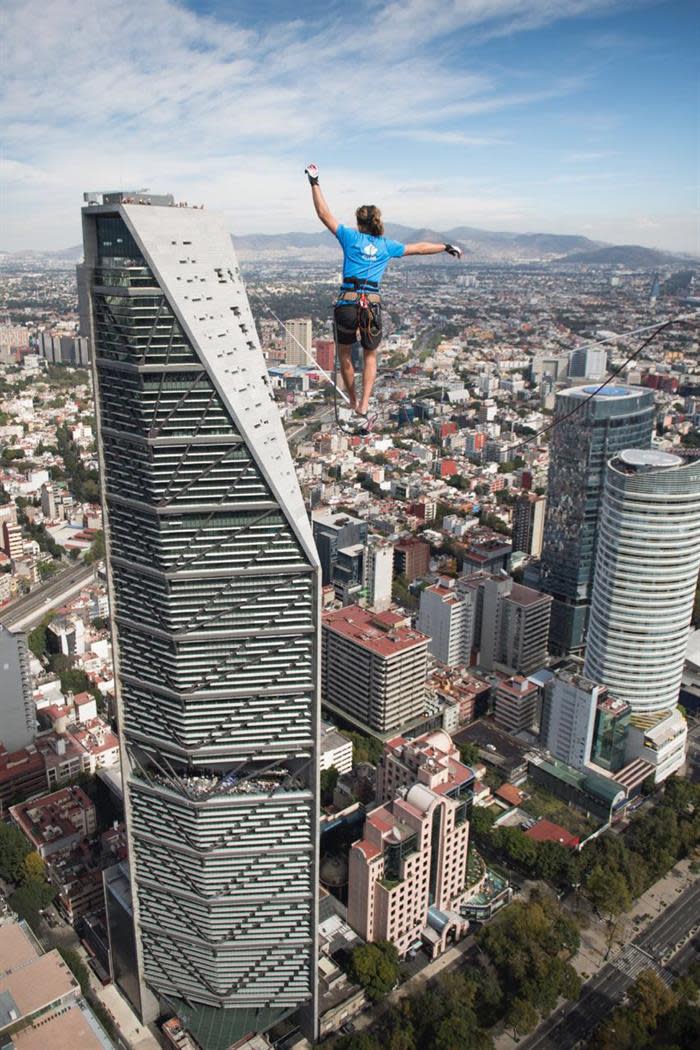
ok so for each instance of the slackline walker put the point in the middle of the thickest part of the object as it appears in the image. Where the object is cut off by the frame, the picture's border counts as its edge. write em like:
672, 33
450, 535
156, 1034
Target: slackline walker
358, 307
357, 310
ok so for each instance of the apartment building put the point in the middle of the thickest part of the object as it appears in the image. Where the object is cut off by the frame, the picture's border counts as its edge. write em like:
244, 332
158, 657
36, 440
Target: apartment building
373, 667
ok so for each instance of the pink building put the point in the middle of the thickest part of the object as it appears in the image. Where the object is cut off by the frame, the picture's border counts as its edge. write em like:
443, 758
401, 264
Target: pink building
408, 874
431, 759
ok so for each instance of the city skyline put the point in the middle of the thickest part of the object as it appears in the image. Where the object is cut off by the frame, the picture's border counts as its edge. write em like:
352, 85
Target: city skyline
508, 116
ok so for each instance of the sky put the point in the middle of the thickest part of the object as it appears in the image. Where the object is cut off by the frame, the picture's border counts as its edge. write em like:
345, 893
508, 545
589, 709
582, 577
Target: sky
562, 116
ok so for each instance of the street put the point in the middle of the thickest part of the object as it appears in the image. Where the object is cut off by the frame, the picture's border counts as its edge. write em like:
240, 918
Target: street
325, 415
664, 943
25, 613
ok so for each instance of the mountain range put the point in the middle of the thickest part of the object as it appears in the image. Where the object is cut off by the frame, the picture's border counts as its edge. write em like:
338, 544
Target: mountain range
480, 246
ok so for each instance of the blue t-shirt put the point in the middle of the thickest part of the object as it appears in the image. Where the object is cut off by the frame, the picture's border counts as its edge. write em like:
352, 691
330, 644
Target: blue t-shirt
366, 257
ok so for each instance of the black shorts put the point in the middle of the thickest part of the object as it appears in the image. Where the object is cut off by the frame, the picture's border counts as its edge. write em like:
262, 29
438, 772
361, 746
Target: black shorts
347, 318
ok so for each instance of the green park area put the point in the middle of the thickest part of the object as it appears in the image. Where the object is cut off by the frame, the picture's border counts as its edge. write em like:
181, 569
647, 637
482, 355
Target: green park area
542, 804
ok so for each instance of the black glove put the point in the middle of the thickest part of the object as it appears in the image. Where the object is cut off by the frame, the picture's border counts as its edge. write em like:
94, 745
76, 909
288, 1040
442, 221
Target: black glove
311, 173
452, 249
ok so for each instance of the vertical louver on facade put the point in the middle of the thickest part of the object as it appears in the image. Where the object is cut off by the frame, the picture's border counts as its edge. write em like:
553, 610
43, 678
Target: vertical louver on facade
214, 584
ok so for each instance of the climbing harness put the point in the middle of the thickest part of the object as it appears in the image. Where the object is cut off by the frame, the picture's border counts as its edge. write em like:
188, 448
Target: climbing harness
364, 294
343, 423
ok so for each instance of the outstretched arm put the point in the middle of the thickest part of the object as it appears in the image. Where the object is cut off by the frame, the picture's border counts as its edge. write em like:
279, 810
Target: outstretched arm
322, 210
427, 248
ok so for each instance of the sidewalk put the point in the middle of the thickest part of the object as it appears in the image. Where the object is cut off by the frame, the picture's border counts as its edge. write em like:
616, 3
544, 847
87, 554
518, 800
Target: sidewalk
135, 1035
590, 957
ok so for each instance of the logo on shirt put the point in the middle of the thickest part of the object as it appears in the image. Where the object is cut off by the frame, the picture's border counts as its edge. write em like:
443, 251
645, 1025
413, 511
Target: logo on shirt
369, 251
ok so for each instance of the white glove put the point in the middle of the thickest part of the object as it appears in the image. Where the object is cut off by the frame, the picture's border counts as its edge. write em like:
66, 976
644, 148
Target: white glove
311, 172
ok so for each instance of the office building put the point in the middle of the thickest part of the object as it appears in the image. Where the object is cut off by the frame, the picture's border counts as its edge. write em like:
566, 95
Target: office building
297, 339
647, 563
12, 541
48, 502
333, 532
336, 749
490, 554
609, 742
66, 636
646, 572
572, 704
408, 873
214, 593
17, 712
511, 623
22, 773
411, 558
658, 743
548, 365
515, 704
41, 1005
528, 523
373, 668
64, 349
587, 363
487, 385
324, 352
590, 427
447, 616
378, 573
347, 573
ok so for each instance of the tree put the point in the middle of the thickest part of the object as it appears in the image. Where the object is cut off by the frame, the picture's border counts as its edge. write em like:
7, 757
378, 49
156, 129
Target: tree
97, 548
36, 640
468, 752
529, 946
77, 967
456, 1033
650, 999
33, 868
47, 569
358, 1041
610, 895
375, 967
608, 892
329, 778
522, 1017
364, 748
13, 849
399, 1033
32, 896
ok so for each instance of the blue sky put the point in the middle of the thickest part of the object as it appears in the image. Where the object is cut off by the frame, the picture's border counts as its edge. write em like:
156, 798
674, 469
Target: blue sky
569, 116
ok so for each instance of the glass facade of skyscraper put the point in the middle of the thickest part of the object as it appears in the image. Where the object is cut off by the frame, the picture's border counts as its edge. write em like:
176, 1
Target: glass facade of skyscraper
585, 438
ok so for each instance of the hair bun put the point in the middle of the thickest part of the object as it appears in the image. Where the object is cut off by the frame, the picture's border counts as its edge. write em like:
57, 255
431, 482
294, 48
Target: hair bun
369, 220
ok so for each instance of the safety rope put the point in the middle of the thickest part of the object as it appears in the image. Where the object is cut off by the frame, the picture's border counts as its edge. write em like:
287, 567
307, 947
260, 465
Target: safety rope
658, 328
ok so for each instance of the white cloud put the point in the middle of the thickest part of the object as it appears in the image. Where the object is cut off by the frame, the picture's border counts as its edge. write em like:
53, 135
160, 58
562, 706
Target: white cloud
449, 138
102, 94
589, 156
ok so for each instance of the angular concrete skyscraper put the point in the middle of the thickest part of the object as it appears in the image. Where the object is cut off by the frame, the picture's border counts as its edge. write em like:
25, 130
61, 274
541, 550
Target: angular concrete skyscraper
589, 431
214, 584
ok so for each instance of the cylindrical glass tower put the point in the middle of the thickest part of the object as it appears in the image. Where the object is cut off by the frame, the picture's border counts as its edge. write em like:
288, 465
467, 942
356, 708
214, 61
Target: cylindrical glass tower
646, 570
